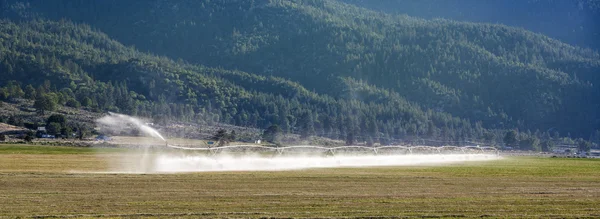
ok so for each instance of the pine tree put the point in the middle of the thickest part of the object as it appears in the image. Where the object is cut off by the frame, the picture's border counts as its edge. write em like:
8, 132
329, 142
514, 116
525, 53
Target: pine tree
44, 103
221, 137
350, 138
583, 145
272, 134
53, 128
30, 92
307, 127
510, 139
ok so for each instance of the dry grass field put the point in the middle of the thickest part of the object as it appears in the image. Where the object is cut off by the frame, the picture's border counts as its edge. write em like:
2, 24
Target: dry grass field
51, 181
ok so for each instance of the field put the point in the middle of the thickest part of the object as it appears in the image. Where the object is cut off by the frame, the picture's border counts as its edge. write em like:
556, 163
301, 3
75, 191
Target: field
59, 181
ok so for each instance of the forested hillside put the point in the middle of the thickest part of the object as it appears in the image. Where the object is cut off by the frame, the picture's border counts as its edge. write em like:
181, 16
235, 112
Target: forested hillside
69, 64
312, 67
572, 21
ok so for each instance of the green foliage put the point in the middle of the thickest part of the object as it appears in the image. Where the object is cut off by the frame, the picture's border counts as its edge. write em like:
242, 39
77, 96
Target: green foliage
2, 137
272, 134
72, 103
82, 131
490, 137
4, 94
221, 133
307, 125
67, 131
530, 143
28, 138
350, 138
14, 89
30, 92
53, 128
86, 102
45, 102
221, 137
16, 121
583, 145
361, 75
57, 118
548, 145
370, 141
158, 87
439, 64
510, 138
595, 137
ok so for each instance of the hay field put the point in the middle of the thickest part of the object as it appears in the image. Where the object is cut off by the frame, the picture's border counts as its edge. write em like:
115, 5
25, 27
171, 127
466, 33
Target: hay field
59, 181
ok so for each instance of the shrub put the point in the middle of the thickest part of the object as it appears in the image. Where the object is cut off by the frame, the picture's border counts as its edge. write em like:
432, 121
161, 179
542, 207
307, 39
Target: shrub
73, 103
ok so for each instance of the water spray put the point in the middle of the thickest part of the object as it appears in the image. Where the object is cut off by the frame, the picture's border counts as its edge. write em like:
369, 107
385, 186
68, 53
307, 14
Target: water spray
265, 158
118, 122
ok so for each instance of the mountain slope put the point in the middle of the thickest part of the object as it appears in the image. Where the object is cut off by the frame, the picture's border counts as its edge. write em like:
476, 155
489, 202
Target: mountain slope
574, 22
73, 63
506, 77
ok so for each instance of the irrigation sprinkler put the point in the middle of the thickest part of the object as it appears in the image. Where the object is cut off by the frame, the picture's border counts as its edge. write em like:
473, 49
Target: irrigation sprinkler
343, 150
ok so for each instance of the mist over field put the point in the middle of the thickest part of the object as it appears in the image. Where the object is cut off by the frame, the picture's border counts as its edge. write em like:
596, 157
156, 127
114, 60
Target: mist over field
182, 164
